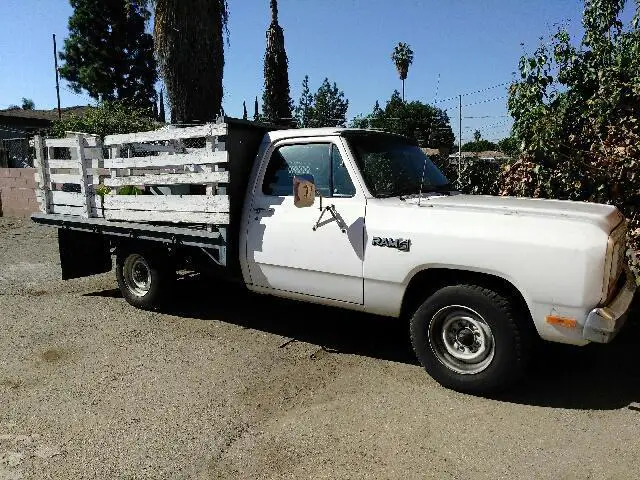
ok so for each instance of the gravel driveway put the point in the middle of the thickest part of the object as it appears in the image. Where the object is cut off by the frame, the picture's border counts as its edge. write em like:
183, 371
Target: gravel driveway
262, 388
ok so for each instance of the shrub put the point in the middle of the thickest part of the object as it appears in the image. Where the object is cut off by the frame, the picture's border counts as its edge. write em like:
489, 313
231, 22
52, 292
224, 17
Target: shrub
109, 118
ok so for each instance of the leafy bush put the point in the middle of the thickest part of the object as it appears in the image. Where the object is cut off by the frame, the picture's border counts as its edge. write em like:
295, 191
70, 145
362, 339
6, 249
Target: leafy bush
576, 111
109, 118
477, 177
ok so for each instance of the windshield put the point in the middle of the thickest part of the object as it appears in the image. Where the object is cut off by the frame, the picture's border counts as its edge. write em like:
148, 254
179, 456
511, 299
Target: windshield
392, 166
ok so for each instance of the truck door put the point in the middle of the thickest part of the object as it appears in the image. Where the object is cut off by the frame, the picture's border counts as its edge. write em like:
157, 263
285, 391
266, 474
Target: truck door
284, 251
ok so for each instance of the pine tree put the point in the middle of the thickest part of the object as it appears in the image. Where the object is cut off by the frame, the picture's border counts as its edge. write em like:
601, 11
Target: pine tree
304, 110
108, 53
329, 106
276, 99
256, 110
244, 111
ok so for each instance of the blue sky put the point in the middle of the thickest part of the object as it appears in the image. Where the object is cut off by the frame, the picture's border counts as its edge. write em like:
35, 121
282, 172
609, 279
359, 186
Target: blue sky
468, 45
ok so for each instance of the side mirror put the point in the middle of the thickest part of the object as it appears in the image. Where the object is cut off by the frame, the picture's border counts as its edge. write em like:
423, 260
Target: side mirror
304, 191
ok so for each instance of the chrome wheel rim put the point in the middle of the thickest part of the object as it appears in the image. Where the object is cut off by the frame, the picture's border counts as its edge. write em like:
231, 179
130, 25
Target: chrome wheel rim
137, 275
461, 339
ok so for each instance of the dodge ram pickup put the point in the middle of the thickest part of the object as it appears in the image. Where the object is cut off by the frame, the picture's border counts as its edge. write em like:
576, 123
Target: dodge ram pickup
357, 219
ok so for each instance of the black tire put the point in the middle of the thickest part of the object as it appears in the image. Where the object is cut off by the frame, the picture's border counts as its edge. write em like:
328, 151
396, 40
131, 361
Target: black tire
151, 293
480, 324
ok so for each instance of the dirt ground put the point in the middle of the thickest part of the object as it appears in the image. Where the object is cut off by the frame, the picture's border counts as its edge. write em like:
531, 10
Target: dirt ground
232, 385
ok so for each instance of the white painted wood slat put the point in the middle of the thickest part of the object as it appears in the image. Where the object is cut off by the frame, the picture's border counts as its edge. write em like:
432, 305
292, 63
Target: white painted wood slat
70, 210
201, 157
95, 163
169, 179
64, 178
209, 129
171, 217
169, 203
68, 198
61, 142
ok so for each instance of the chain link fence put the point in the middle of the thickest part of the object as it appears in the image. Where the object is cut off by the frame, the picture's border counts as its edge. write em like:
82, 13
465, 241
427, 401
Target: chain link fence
16, 153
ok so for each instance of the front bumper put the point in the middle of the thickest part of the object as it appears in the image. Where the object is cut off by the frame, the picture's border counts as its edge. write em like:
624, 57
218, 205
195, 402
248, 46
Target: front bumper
603, 323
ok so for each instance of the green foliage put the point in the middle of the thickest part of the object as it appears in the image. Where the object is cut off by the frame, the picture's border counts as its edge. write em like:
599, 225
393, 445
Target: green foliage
107, 119
326, 108
276, 99
102, 190
509, 146
28, 104
108, 53
426, 124
130, 190
577, 113
480, 145
189, 44
304, 110
402, 57
477, 177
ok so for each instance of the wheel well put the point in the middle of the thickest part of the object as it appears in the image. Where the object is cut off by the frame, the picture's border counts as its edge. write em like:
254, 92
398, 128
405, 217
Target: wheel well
426, 282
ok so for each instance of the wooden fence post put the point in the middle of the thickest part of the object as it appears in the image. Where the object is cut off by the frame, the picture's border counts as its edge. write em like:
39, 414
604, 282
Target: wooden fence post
42, 177
85, 189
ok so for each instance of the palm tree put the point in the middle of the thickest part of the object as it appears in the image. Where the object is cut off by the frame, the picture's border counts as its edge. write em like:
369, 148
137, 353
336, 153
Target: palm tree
189, 44
402, 56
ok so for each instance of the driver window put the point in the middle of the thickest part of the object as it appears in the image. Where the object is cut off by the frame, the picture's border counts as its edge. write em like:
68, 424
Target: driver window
322, 160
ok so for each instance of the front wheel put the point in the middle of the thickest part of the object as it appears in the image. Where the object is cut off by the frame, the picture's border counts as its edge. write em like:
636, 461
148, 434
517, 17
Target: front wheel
143, 278
469, 339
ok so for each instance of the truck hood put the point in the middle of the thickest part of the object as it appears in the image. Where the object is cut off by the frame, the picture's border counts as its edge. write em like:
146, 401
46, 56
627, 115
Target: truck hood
604, 216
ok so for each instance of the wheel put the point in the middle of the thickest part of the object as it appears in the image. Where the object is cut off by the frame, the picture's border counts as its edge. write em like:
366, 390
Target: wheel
469, 339
144, 278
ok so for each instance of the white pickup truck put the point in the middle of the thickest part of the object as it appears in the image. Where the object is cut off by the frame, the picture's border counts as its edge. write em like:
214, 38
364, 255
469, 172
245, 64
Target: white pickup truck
356, 219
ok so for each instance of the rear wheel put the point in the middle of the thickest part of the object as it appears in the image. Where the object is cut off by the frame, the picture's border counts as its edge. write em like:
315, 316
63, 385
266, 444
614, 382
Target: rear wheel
144, 278
471, 339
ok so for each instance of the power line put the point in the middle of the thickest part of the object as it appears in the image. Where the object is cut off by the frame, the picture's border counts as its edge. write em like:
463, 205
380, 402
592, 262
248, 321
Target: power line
491, 116
485, 101
473, 93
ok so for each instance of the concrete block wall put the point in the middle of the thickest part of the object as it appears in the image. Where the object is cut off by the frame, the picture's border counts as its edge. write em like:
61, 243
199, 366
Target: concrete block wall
17, 192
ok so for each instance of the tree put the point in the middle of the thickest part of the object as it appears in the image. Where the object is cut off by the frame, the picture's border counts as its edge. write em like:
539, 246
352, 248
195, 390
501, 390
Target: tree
477, 136
108, 118
326, 108
329, 106
479, 146
304, 109
276, 99
108, 53
189, 44
256, 110
245, 115
426, 124
509, 146
402, 57
28, 104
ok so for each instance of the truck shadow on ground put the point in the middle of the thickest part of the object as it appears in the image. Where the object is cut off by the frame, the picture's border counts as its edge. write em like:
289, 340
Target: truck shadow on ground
597, 377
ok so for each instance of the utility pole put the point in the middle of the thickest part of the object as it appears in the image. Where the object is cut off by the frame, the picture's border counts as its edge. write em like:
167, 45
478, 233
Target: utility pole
55, 62
459, 140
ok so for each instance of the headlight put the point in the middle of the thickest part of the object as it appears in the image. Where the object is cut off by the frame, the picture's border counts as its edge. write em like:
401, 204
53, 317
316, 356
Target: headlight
614, 261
